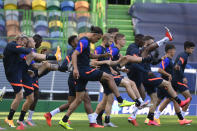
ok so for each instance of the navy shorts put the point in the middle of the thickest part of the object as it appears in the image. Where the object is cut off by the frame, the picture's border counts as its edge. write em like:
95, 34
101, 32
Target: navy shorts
35, 84
151, 83
137, 77
15, 80
117, 79
162, 93
87, 74
27, 83
71, 85
179, 86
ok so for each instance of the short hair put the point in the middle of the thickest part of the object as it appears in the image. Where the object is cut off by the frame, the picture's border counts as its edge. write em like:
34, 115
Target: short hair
138, 38
38, 40
71, 39
96, 29
188, 44
106, 36
118, 36
145, 38
169, 47
112, 30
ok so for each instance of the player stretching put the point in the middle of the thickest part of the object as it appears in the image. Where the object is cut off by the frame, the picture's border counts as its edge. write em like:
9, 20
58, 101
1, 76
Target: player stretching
83, 73
150, 81
14, 70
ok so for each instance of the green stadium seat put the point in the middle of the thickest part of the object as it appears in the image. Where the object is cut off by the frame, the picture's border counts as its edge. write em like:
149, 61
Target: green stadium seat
53, 5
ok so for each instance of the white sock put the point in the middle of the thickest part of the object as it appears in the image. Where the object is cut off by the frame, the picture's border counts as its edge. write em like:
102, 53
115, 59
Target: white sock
134, 113
140, 99
29, 118
92, 118
183, 113
157, 114
53, 112
162, 41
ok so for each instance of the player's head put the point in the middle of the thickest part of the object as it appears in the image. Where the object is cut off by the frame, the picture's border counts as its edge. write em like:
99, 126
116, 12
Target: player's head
22, 40
106, 39
38, 40
170, 49
97, 33
32, 43
139, 40
148, 40
113, 31
72, 41
189, 47
120, 39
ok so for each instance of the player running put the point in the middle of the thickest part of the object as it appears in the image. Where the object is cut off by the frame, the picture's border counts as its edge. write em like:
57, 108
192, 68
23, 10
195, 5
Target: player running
168, 71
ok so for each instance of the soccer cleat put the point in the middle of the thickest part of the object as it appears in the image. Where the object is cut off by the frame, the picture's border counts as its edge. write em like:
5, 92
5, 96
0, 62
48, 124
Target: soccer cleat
58, 54
21, 126
126, 103
2, 92
65, 125
185, 102
48, 118
152, 122
10, 123
168, 34
109, 125
94, 125
30, 123
184, 122
99, 121
157, 120
146, 121
21, 122
132, 121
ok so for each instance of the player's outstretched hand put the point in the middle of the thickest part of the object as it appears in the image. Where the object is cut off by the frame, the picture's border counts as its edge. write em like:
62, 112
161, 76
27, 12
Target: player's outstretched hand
107, 55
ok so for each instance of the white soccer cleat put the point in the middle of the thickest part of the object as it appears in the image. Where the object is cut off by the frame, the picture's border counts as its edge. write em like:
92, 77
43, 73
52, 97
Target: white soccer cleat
2, 93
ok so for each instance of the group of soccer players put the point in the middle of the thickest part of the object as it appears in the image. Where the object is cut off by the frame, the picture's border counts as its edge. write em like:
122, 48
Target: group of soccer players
23, 68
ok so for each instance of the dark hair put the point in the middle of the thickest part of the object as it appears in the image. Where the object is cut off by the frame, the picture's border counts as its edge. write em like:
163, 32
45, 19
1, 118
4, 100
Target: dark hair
138, 38
71, 39
96, 29
38, 40
169, 47
112, 30
145, 38
118, 36
188, 44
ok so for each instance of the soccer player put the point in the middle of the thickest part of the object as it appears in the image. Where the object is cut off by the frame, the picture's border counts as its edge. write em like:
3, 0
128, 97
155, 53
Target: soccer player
179, 81
150, 81
166, 70
83, 73
14, 69
73, 40
135, 72
120, 80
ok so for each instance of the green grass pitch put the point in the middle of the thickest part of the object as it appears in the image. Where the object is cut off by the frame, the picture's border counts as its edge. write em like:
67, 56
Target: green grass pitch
80, 123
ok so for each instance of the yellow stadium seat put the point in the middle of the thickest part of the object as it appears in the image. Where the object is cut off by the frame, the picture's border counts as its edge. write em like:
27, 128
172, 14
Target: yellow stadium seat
55, 23
39, 5
10, 4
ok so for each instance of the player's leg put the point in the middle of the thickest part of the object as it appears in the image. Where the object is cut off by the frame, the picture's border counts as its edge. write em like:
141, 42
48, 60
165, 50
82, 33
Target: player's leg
112, 85
167, 85
32, 107
142, 91
16, 83
187, 95
79, 98
152, 109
